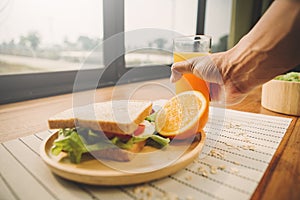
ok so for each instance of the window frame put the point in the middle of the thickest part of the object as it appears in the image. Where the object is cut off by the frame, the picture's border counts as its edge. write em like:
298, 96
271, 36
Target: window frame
20, 87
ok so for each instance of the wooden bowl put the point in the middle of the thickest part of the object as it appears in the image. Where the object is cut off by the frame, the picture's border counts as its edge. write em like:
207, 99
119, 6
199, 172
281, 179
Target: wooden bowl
281, 96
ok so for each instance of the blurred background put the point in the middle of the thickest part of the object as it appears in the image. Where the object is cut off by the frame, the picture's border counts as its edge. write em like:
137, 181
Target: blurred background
40, 35
44, 44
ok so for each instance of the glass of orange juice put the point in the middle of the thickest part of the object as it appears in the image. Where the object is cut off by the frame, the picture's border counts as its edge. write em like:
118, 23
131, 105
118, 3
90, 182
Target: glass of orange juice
185, 48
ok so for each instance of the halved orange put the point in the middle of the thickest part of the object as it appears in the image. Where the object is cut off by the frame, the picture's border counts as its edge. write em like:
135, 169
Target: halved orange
183, 116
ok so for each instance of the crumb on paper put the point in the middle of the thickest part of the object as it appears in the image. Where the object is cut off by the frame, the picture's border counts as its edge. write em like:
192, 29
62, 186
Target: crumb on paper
236, 163
210, 169
136, 190
247, 140
235, 147
142, 192
213, 169
231, 146
252, 147
202, 171
169, 196
234, 170
227, 144
149, 193
232, 125
241, 134
216, 154
205, 173
248, 147
188, 178
201, 168
245, 147
222, 167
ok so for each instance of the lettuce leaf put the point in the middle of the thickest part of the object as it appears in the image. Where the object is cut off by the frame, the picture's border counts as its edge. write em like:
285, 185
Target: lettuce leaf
291, 76
75, 144
152, 117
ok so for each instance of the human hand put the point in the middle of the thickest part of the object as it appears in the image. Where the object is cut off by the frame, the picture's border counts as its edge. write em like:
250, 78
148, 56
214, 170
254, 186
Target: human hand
212, 69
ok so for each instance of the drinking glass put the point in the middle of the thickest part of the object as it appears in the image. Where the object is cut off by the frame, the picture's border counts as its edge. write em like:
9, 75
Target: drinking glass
185, 48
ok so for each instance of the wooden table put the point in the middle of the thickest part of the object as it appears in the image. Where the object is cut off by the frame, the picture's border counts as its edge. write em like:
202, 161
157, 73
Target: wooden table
281, 180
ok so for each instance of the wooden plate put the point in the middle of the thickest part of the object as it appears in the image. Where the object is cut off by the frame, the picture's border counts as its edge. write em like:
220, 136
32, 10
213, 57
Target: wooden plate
92, 171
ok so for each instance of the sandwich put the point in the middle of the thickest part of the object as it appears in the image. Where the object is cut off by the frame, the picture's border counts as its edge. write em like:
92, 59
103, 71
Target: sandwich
112, 130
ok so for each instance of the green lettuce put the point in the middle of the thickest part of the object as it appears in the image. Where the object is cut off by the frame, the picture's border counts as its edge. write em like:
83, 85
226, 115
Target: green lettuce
291, 76
152, 117
87, 141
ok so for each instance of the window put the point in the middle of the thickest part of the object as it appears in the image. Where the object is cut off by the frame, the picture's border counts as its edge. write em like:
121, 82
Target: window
44, 36
43, 43
217, 23
154, 46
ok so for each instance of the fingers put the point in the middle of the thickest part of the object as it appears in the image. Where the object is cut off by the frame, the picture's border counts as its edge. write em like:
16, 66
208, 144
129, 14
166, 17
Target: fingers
180, 68
175, 75
209, 68
183, 67
203, 67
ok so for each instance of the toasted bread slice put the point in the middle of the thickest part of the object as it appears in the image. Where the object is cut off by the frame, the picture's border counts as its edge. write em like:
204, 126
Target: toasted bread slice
120, 116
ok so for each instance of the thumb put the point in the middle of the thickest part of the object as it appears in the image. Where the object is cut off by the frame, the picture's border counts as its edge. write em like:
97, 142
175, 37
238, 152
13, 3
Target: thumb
180, 68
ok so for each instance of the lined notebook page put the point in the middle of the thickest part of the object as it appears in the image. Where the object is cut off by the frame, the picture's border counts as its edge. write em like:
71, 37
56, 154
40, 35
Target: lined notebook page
238, 150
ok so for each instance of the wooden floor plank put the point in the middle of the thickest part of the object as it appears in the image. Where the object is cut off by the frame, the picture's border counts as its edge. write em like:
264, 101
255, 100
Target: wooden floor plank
23, 184
63, 189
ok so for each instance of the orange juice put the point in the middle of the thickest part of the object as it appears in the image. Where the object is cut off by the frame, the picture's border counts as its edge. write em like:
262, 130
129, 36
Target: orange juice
190, 81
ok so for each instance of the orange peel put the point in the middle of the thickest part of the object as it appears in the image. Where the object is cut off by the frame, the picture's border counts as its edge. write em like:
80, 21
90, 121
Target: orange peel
183, 116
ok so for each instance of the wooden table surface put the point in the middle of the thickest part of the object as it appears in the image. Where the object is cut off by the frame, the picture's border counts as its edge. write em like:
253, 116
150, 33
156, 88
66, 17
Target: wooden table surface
281, 180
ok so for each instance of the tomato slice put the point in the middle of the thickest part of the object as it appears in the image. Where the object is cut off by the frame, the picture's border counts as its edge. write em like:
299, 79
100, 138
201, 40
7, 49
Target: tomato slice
139, 130
124, 137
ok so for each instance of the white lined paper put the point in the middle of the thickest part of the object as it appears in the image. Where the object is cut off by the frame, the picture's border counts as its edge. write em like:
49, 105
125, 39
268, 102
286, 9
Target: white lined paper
244, 167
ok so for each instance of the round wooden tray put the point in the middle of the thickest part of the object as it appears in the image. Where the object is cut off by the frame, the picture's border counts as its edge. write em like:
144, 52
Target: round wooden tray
92, 171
